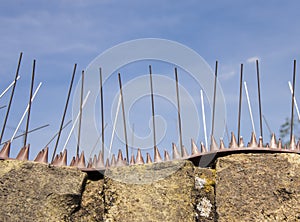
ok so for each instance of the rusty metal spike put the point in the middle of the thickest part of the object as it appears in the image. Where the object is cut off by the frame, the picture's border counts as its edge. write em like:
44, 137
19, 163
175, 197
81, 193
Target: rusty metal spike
279, 144
252, 142
213, 145
94, 162
260, 142
64, 158
285, 147
54, 162
81, 161
293, 143
241, 145
273, 143
203, 148
148, 160
99, 162
107, 165
298, 145
24, 153
42, 156
120, 161
61, 159
185, 153
157, 157
4, 153
167, 156
222, 145
90, 163
176, 154
132, 161
72, 161
113, 161
139, 158
100, 156
194, 148
233, 143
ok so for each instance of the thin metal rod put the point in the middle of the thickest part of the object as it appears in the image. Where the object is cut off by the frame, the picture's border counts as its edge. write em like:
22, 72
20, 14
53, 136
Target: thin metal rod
30, 103
64, 114
80, 113
124, 120
58, 132
75, 121
26, 110
178, 111
240, 105
259, 100
152, 106
11, 97
1, 107
12, 83
102, 111
267, 124
214, 101
30, 131
293, 99
203, 117
249, 107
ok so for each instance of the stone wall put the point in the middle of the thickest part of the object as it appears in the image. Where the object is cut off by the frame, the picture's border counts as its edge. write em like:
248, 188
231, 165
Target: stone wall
240, 187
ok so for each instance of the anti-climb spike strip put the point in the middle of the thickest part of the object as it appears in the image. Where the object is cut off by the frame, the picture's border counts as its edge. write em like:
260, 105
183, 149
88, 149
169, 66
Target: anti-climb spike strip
184, 152
203, 148
107, 165
132, 161
222, 145
81, 161
260, 142
253, 142
273, 143
94, 164
148, 160
139, 158
24, 153
4, 153
293, 143
233, 143
213, 145
120, 161
100, 162
90, 163
157, 157
167, 156
42, 156
176, 154
195, 150
279, 144
241, 145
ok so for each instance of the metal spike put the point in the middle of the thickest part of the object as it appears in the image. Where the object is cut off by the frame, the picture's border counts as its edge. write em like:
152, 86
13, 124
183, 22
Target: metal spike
285, 147
139, 158
241, 142
279, 144
90, 163
273, 143
81, 161
176, 154
4, 153
157, 157
267, 145
107, 165
99, 162
132, 161
167, 156
72, 161
113, 161
120, 161
24, 153
94, 163
184, 154
260, 142
100, 156
42, 156
203, 148
293, 143
194, 148
213, 145
64, 158
149, 160
252, 142
55, 160
61, 159
222, 145
233, 143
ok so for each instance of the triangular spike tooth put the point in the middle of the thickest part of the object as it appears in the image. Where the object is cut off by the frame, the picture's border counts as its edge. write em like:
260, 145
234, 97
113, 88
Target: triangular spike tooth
298, 145
233, 142
24, 153
42, 156
176, 154
273, 143
252, 142
167, 156
64, 158
72, 161
194, 147
55, 160
279, 144
213, 144
81, 161
148, 160
285, 147
100, 156
222, 145
90, 163
107, 165
125, 163
260, 142
293, 143
94, 162
184, 152
139, 158
113, 161
267, 145
157, 156
242, 144
132, 160
4, 153
203, 148
99, 162
120, 161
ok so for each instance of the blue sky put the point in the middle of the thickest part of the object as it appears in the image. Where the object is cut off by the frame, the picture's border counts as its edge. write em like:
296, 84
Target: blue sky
60, 33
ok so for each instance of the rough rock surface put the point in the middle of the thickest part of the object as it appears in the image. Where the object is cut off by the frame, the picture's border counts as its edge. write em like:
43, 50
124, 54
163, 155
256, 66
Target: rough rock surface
168, 199
37, 192
258, 187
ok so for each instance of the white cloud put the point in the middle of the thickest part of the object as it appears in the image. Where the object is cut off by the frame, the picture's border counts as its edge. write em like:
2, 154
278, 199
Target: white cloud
252, 59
